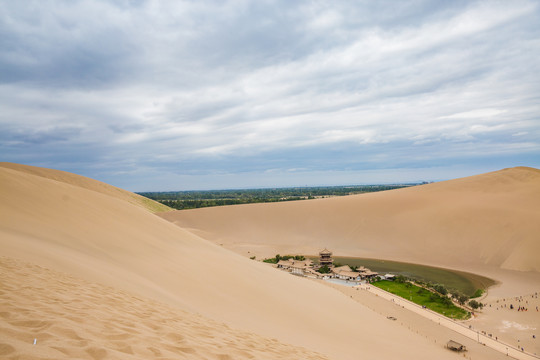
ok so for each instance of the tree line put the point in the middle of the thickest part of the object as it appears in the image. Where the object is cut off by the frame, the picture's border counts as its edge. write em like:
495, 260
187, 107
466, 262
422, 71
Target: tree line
442, 293
198, 199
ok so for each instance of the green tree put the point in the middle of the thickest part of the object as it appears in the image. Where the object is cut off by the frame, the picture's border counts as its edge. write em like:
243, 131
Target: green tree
446, 301
475, 304
324, 269
440, 289
462, 299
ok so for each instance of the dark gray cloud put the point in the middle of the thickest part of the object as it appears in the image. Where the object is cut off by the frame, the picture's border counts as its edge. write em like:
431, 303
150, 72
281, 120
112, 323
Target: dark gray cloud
217, 94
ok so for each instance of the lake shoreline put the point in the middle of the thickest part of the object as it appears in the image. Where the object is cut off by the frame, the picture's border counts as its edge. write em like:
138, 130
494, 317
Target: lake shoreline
463, 281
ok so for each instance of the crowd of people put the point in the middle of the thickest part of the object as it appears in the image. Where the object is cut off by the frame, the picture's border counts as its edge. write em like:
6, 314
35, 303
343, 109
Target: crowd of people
522, 303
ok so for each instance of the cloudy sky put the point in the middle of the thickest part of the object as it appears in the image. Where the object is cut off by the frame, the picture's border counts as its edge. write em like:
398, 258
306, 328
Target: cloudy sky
172, 95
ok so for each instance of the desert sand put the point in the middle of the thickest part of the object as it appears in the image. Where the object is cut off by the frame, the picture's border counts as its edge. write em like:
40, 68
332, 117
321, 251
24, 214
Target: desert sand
519, 328
89, 184
486, 224
107, 245
72, 318
91, 274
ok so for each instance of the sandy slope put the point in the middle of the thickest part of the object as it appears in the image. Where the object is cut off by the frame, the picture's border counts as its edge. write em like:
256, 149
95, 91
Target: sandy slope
89, 184
71, 318
65, 226
489, 220
517, 328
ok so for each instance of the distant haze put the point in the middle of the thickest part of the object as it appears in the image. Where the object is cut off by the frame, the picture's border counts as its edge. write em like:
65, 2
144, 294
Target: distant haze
157, 96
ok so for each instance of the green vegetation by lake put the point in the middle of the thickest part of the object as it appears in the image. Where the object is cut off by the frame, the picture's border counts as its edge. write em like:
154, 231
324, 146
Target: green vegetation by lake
464, 282
441, 304
278, 257
181, 200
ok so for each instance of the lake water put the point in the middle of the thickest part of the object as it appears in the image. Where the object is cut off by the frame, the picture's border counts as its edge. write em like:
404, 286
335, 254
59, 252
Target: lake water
464, 282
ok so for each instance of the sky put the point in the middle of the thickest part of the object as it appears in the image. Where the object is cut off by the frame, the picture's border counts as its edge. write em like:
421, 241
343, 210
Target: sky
193, 95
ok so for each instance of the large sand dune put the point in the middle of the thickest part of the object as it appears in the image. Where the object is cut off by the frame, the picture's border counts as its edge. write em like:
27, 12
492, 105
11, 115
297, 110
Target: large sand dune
90, 184
113, 264
485, 221
75, 319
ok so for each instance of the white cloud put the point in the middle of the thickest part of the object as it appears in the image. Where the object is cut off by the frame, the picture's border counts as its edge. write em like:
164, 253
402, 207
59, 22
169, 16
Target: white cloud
477, 113
191, 82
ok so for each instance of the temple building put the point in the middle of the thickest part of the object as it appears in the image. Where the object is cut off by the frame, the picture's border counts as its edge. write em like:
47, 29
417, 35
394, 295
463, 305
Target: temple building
307, 268
325, 258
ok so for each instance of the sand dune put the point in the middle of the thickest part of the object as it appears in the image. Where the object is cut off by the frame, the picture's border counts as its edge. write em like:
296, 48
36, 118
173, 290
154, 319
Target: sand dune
485, 221
141, 264
90, 184
75, 319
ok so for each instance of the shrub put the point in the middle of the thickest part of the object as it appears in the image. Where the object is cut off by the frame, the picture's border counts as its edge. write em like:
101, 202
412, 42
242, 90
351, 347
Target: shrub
477, 293
324, 269
278, 257
476, 304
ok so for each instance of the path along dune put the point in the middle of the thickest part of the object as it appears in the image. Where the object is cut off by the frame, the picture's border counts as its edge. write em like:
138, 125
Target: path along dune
488, 221
90, 274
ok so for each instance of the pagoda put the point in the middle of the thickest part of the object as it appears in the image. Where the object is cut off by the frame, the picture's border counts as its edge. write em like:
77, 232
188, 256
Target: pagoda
325, 258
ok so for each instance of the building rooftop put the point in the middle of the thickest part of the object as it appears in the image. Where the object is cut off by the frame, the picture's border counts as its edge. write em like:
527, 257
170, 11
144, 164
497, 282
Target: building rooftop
325, 252
352, 274
341, 268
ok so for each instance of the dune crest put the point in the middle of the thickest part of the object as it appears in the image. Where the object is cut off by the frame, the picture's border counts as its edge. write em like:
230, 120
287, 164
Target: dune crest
488, 220
90, 184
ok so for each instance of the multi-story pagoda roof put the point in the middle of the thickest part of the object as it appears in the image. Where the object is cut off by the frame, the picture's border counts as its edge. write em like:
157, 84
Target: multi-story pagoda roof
325, 252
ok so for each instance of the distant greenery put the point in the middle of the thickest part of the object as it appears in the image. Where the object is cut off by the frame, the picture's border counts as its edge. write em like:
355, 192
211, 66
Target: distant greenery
181, 200
278, 257
432, 300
